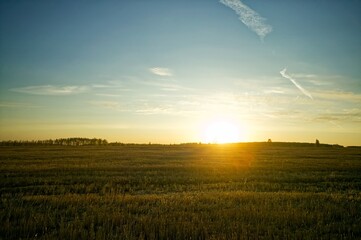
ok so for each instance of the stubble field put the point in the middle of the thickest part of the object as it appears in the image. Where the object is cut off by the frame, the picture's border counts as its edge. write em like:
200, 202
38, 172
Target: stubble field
191, 191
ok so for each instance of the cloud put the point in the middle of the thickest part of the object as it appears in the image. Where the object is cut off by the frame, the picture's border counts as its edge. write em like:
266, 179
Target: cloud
338, 96
106, 104
101, 86
274, 91
249, 17
174, 109
319, 80
154, 110
51, 90
340, 116
304, 91
170, 87
16, 105
108, 95
164, 72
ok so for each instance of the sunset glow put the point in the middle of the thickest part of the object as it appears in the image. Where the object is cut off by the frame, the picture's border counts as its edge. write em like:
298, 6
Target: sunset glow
152, 71
223, 131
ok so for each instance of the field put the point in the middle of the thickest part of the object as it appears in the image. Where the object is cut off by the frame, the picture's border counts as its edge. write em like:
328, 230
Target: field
190, 191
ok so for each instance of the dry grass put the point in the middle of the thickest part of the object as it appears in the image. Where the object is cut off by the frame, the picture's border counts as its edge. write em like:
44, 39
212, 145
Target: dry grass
236, 191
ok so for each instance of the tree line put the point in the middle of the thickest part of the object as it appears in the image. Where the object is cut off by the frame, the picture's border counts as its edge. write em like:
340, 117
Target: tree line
60, 141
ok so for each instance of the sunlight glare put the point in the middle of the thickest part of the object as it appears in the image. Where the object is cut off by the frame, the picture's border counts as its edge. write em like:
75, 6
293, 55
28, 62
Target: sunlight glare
221, 131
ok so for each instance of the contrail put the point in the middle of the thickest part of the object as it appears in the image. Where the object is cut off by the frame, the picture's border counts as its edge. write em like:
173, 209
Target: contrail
249, 17
304, 91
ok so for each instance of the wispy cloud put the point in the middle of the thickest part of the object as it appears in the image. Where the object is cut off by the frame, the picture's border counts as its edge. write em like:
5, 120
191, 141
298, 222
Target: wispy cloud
164, 72
249, 17
154, 110
319, 80
108, 95
17, 105
304, 91
338, 96
101, 85
274, 91
51, 90
170, 87
106, 104
174, 109
340, 115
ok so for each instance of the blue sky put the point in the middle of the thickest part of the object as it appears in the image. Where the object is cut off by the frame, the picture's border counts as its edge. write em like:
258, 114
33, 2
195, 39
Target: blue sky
159, 71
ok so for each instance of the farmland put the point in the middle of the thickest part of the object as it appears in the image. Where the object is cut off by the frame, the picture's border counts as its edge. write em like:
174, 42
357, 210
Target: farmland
189, 191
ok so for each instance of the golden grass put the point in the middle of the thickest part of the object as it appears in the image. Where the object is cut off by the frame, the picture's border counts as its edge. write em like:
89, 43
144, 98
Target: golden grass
234, 191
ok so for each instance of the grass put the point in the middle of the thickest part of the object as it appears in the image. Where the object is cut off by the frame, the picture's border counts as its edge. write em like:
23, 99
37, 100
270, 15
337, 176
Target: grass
234, 191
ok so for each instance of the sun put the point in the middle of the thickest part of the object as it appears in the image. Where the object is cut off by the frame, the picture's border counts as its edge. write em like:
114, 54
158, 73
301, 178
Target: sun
221, 131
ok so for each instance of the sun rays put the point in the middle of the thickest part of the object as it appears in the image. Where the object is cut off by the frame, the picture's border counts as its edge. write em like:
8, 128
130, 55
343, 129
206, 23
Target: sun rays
223, 131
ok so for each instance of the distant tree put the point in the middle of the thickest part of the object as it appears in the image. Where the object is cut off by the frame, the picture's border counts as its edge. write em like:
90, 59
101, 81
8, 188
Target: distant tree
59, 141
269, 140
317, 143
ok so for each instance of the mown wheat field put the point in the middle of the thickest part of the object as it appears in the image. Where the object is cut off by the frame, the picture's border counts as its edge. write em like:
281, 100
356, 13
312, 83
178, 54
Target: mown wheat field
190, 191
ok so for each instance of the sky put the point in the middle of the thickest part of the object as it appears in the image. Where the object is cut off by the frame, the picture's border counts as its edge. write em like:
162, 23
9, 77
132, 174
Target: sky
165, 71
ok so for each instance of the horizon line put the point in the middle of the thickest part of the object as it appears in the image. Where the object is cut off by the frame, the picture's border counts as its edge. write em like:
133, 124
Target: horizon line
39, 142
